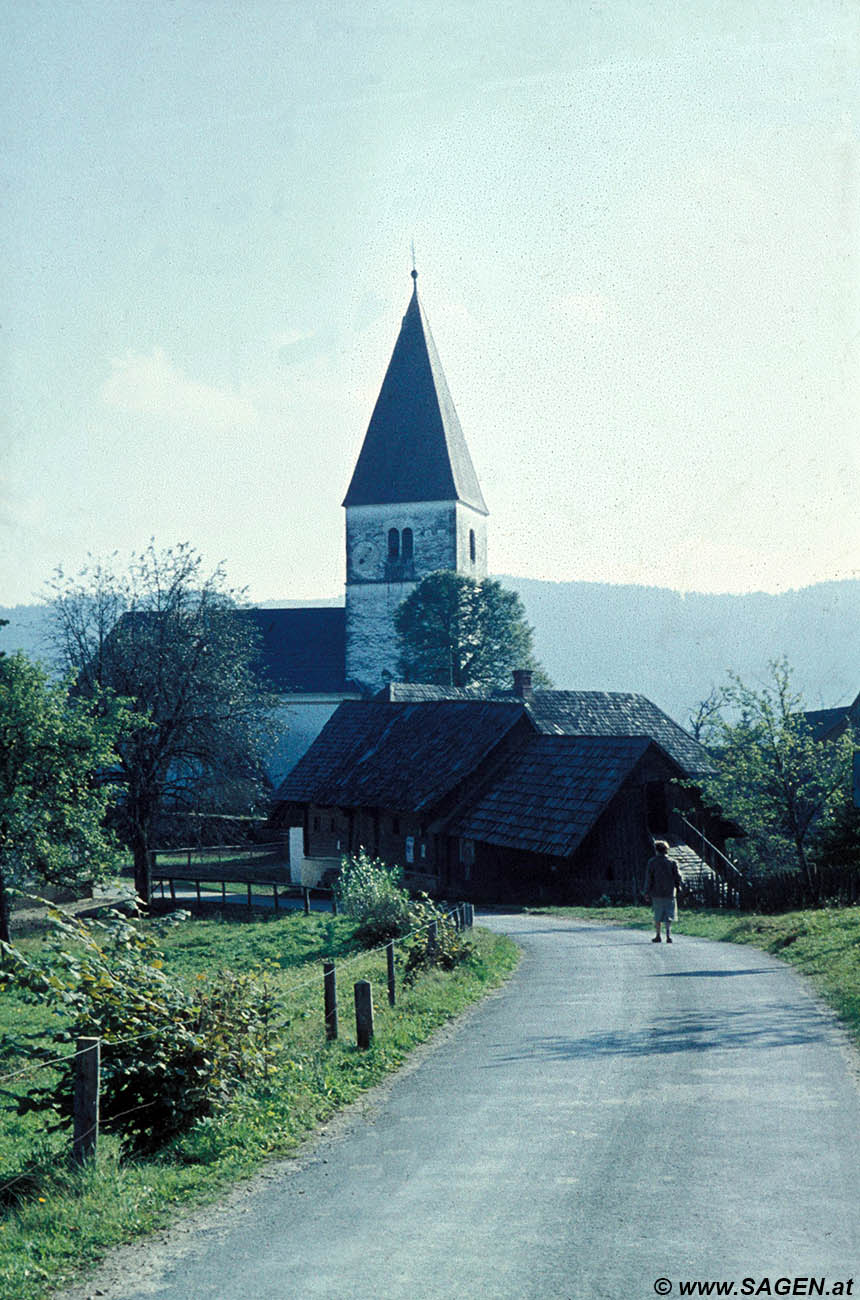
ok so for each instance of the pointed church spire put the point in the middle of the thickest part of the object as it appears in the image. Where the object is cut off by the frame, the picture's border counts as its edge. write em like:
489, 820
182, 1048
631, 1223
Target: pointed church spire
414, 449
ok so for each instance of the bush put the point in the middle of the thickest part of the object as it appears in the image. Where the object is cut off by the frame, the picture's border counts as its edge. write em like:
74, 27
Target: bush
448, 949
169, 1054
372, 894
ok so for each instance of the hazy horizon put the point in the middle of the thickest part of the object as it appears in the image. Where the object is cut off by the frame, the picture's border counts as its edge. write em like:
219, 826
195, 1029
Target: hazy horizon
636, 237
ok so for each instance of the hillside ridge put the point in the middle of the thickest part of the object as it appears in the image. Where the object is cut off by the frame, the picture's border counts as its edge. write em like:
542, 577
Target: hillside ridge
670, 646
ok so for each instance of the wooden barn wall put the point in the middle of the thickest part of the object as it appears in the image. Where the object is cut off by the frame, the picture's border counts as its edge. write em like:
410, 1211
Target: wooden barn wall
509, 875
611, 859
400, 839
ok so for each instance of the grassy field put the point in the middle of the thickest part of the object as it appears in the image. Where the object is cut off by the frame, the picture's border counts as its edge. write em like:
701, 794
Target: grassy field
56, 1220
824, 944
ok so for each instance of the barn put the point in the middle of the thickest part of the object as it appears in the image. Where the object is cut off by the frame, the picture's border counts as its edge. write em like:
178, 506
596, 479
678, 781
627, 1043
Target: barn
523, 795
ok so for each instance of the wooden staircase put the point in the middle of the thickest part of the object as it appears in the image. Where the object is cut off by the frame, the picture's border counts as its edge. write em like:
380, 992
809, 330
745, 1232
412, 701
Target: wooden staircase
702, 883
697, 876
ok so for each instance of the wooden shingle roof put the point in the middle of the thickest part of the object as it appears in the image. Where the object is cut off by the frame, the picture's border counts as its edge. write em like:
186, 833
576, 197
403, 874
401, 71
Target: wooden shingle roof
551, 793
616, 713
583, 713
828, 724
404, 757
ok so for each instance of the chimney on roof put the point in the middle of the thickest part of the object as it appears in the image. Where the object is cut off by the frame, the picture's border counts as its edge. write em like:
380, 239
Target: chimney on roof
523, 683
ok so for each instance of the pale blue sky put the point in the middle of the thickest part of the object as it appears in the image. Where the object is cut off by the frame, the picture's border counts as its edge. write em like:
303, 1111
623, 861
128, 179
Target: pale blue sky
636, 227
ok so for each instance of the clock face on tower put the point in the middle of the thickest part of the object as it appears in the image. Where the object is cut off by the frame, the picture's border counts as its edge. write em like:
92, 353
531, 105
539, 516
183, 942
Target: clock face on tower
364, 559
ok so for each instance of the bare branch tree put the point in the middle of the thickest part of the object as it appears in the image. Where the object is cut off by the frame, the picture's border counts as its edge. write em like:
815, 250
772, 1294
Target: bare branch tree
170, 638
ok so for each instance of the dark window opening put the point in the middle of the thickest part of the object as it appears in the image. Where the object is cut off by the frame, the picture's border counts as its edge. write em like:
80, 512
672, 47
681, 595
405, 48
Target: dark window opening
472, 547
393, 544
395, 825
332, 823
656, 808
316, 823
406, 545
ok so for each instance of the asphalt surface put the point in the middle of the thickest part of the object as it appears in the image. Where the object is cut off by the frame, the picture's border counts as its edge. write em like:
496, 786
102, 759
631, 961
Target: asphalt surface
619, 1113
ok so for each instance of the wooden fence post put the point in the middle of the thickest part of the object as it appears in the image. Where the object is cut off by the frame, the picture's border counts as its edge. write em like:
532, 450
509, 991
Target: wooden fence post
87, 1071
389, 955
363, 1013
334, 902
432, 940
307, 894
330, 994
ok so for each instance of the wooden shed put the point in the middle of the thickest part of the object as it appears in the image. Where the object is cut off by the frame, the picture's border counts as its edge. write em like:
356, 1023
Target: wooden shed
556, 796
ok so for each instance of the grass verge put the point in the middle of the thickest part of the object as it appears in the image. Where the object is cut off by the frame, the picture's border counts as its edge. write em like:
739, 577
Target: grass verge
823, 943
58, 1220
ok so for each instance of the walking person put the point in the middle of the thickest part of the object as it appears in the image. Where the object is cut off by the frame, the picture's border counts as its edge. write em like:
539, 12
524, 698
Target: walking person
662, 882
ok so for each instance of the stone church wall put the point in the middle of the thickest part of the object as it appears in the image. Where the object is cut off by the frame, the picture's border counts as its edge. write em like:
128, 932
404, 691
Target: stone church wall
471, 535
298, 721
376, 585
371, 654
433, 526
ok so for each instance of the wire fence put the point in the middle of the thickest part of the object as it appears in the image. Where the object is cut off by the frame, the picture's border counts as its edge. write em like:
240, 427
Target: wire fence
461, 916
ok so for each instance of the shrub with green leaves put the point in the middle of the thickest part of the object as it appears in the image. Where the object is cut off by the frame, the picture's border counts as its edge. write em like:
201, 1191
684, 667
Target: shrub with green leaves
444, 951
372, 894
169, 1053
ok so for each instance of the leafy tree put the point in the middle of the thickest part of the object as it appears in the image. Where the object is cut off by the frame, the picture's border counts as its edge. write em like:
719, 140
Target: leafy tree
838, 844
785, 788
454, 631
175, 1053
168, 637
54, 750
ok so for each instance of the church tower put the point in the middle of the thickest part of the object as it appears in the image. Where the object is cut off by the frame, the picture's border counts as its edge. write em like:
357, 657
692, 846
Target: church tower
414, 504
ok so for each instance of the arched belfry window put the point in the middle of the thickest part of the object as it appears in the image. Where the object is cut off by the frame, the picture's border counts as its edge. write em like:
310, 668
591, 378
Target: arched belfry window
406, 545
473, 551
393, 544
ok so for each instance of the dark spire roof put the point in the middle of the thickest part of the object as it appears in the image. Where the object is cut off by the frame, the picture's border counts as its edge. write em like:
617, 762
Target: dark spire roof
414, 449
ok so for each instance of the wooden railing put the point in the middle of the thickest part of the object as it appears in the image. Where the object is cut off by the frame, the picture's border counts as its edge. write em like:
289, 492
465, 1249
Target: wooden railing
731, 878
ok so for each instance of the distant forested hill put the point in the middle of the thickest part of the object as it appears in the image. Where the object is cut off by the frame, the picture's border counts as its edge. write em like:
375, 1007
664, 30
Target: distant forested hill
28, 630
672, 648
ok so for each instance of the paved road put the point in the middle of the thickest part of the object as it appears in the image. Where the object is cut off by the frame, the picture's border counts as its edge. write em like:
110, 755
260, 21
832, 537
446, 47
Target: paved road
620, 1112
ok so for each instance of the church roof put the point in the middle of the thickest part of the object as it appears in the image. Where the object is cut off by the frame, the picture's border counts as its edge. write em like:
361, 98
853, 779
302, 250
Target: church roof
302, 650
414, 449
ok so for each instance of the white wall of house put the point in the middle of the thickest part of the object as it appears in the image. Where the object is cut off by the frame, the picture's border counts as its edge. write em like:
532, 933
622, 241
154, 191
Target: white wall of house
306, 871
299, 719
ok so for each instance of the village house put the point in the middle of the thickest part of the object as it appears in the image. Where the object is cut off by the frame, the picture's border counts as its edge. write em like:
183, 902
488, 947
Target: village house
830, 724
527, 795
